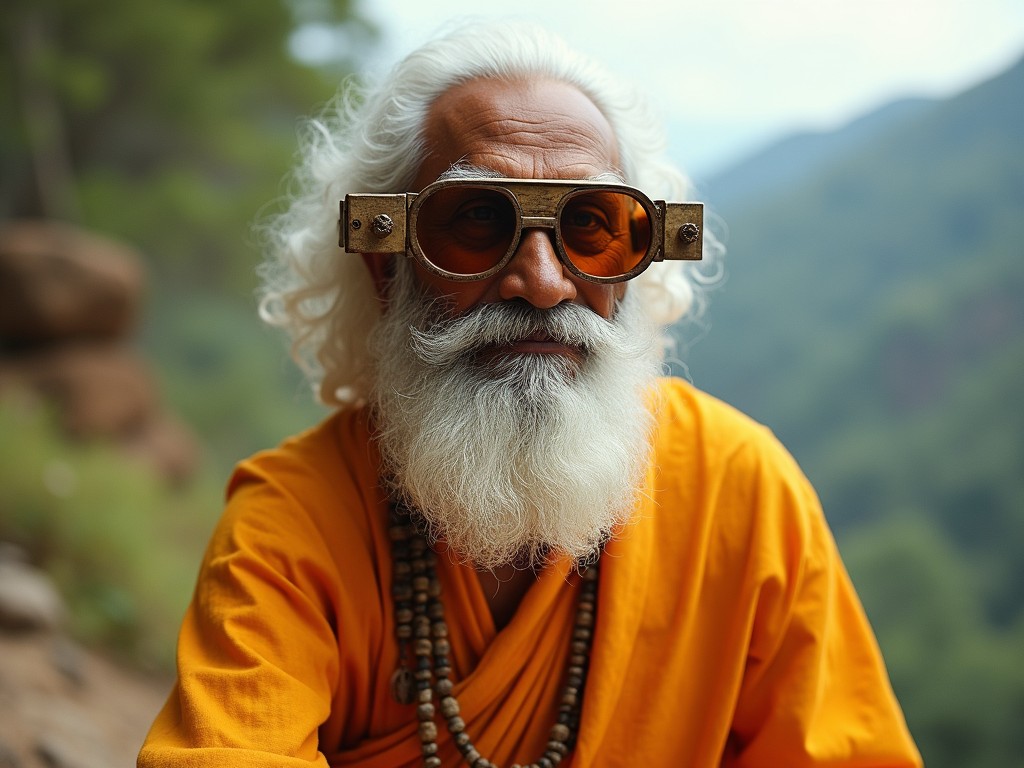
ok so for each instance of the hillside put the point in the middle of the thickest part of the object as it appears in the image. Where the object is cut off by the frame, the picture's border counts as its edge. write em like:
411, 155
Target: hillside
872, 316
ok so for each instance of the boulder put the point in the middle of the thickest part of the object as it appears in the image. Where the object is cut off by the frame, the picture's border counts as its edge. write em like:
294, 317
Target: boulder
59, 282
28, 599
100, 389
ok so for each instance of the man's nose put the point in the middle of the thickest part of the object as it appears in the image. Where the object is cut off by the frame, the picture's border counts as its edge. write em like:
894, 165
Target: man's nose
535, 274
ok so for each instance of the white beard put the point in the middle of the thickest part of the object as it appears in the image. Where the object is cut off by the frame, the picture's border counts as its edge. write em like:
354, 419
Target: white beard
524, 458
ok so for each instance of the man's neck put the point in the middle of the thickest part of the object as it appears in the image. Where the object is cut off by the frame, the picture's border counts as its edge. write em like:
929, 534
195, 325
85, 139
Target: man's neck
504, 588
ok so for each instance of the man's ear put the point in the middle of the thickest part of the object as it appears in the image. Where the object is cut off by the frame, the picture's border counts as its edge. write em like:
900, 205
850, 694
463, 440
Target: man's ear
379, 265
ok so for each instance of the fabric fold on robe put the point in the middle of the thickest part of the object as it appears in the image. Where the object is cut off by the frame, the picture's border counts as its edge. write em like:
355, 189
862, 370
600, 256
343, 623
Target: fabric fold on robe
497, 706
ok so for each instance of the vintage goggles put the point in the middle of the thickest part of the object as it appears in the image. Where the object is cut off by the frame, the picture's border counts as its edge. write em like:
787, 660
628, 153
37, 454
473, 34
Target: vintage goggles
468, 229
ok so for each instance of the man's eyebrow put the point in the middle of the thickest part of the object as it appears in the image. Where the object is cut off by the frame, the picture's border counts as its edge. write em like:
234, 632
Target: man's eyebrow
467, 170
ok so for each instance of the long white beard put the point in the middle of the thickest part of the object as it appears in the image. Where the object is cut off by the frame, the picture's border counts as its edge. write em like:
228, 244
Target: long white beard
523, 458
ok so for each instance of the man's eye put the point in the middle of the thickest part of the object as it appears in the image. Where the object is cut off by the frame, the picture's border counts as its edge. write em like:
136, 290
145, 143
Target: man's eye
585, 219
582, 219
481, 213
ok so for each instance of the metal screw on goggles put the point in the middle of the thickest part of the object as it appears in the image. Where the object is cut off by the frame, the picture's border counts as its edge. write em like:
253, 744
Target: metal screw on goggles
469, 229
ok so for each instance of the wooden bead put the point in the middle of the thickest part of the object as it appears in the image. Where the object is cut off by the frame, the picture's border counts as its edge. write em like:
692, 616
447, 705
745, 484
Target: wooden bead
401, 591
420, 583
441, 647
423, 646
428, 731
432, 762
425, 695
404, 616
425, 711
429, 748
449, 706
443, 686
559, 732
471, 755
439, 629
461, 740
456, 724
558, 747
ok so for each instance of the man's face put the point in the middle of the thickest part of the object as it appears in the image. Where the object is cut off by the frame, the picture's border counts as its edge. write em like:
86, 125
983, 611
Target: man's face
541, 130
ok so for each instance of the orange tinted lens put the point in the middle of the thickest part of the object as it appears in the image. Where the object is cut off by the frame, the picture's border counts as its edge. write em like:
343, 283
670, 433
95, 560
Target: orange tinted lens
605, 233
464, 229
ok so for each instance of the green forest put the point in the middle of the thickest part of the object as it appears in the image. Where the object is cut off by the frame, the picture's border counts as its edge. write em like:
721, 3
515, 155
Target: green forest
871, 316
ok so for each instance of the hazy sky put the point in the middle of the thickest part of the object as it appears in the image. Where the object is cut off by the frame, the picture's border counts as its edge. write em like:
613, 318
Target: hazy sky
731, 74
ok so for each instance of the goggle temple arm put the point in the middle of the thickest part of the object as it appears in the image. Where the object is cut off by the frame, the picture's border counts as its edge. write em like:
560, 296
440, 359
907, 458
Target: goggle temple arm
372, 223
682, 231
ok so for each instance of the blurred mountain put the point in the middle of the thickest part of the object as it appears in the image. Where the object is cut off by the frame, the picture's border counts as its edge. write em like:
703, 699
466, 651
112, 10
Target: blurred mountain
872, 316
872, 313
793, 158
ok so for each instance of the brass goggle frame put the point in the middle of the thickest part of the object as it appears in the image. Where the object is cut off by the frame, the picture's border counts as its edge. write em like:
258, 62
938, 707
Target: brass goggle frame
386, 223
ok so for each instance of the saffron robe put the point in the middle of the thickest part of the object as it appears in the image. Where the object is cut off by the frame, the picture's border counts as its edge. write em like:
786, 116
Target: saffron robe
727, 632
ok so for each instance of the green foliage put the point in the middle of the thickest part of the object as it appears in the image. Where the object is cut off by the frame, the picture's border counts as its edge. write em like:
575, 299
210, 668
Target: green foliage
168, 123
872, 317
227, 374
962, 683
121, 545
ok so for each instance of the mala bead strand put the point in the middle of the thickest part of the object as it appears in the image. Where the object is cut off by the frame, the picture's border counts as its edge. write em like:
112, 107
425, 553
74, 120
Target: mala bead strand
400, 532
420, 622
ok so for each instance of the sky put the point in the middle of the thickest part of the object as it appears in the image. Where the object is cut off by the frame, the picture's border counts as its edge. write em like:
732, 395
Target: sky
730, 76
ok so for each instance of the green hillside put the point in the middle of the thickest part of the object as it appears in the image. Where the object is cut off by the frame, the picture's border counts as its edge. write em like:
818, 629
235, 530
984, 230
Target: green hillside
872, 316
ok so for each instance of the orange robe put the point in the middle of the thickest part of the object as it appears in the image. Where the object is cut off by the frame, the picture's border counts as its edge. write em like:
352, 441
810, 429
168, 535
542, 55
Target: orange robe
727, 633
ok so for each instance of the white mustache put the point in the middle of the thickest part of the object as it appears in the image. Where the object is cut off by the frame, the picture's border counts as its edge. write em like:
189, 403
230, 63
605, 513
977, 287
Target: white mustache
445, 341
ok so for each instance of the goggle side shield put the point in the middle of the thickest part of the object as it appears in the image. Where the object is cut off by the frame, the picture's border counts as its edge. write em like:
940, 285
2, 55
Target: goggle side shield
469, 229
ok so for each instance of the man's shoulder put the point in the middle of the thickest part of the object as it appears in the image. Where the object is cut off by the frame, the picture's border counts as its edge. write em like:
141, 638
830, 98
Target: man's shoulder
334, 458
681, 407
695, 427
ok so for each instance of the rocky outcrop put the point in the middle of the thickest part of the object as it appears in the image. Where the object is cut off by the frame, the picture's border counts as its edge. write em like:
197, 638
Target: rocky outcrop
69, 304
63, 706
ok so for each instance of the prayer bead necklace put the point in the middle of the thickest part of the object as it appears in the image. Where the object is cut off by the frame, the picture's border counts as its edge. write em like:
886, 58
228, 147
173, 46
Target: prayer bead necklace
420, 624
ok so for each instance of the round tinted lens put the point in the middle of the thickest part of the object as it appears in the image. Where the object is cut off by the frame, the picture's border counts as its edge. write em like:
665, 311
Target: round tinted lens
605, 233
465, 229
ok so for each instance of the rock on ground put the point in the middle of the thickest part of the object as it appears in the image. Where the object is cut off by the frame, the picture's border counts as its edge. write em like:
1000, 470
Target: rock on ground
63, 707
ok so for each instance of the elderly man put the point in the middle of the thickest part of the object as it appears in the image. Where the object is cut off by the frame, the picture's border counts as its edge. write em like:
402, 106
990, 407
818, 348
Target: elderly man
512, 543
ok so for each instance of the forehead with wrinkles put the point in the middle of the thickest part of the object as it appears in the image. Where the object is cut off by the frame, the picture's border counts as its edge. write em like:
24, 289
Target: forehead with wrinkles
520, 129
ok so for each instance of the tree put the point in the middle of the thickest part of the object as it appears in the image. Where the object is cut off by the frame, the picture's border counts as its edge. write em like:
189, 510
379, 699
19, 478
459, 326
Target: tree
168, 123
